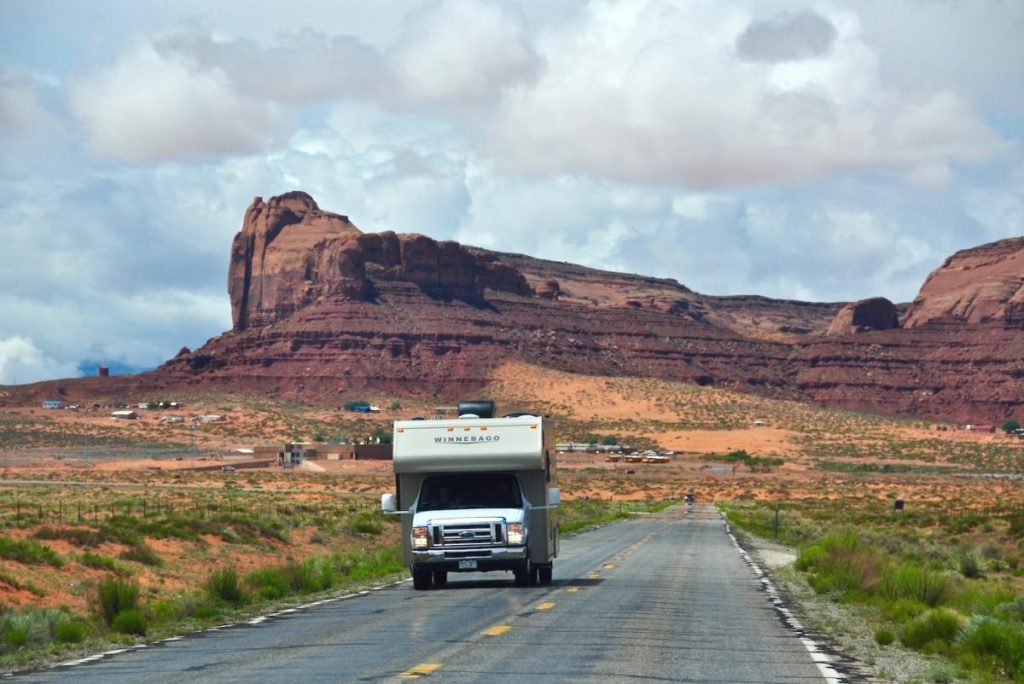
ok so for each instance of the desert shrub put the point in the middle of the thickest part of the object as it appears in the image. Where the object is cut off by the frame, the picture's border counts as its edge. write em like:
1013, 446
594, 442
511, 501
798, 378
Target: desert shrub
78, 536
101, 562
997, 641
901, 610
15, 637
142, 553
933, 631
911, 581
1012, 609
114, 596
884, 636
841, 563
223, 586
940, 673
130, 621
969, 563
29, 552
367, 523
69, 632
30, 627
269, 583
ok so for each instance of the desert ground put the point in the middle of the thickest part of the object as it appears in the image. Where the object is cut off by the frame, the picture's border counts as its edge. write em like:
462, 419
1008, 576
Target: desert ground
55, 461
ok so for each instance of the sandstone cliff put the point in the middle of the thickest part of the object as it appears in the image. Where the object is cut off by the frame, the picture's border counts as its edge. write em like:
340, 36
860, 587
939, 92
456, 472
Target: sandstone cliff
978, 285
289, 254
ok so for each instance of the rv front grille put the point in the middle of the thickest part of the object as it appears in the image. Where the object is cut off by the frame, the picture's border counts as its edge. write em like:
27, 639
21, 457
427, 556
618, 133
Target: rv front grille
471, 534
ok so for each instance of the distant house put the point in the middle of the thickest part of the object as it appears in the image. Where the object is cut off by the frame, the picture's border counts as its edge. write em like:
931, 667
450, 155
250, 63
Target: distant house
124, 414
210, 418
172, 419
758, 423
981, 427
54, 404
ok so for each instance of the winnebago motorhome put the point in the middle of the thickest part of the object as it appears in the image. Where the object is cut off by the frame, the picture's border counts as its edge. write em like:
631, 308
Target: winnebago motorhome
476, 493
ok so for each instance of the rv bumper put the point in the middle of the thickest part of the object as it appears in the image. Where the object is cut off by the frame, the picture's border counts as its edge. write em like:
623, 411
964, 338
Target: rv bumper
483, 560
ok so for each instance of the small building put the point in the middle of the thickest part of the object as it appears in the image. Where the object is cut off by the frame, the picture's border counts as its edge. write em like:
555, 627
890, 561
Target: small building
124, 414
172, 419
981, 427
54, 404
210, 418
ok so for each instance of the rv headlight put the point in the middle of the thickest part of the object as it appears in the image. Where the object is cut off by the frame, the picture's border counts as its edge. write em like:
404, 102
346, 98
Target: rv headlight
516, 535
420, 537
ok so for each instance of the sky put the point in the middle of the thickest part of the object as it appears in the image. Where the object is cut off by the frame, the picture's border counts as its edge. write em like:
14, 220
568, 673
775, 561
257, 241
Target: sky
824, 151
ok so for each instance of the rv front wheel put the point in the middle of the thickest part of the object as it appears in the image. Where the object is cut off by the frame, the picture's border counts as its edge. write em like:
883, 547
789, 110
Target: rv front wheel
545, 574
421, 579
524, 575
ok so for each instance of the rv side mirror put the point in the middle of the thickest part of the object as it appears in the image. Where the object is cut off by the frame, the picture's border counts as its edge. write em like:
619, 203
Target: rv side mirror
554, 496
387, 502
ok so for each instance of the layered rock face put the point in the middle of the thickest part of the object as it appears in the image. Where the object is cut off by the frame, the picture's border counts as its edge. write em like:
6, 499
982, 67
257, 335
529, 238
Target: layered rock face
322, 310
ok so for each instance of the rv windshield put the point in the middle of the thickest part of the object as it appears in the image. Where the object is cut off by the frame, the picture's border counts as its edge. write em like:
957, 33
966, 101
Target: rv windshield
447, 492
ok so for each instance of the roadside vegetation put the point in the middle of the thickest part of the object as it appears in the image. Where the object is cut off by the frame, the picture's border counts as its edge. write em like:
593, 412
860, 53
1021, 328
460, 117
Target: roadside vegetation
115, 567
948, 586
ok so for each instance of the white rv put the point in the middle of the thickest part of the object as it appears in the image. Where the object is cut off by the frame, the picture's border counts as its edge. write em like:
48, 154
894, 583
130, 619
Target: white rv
476, 493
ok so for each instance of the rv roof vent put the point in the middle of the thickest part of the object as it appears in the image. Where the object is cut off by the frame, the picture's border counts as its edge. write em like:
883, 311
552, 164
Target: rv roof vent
482, 408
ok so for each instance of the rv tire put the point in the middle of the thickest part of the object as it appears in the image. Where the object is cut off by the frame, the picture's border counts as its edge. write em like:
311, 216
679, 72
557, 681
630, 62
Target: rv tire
525, 575
544, 574
421, 579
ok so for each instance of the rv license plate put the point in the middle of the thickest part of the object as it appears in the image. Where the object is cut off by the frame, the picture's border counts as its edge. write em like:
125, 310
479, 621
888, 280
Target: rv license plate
467, 565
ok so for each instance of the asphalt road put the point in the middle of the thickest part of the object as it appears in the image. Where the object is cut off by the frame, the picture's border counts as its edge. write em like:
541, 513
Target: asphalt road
663, 598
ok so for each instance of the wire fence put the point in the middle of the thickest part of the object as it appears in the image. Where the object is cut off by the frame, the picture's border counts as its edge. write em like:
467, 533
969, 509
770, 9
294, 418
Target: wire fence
25, 513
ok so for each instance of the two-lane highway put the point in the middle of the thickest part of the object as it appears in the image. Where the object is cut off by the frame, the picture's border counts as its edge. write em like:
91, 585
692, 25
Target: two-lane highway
665, 597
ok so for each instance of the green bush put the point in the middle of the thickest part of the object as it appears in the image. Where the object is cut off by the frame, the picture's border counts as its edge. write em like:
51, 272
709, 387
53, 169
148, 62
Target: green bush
911, 581
884, 636
997, 640
940, 673
130, 621
29, 552
114, 596
15, 637
223, 586
933, 631
367, 523
969, 562
269, 583
142, 553
69, 632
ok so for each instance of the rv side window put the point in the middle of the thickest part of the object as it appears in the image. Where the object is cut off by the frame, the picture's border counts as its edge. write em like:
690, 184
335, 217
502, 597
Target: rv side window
490, 490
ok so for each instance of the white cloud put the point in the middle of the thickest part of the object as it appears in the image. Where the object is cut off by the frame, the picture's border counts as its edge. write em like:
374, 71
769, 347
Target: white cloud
654, 92
150, 106
463, 51
21, 362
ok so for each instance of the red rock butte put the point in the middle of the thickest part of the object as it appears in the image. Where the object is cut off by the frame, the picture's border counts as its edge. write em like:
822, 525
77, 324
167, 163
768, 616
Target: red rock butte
323, 311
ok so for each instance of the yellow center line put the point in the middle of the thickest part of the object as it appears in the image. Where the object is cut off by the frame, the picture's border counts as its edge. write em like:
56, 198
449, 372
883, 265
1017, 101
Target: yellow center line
421, 670
609, 566
497, 630
547, 605
572, 590
593, 575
